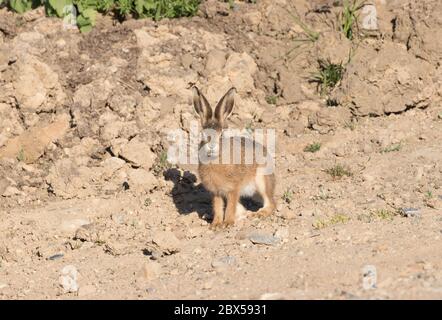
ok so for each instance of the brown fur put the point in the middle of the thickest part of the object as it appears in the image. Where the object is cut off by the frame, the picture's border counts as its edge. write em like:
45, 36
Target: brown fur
228, 181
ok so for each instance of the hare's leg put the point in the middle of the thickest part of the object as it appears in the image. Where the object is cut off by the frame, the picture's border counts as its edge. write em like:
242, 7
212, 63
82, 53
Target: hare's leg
232, 202
265, 184
218, 210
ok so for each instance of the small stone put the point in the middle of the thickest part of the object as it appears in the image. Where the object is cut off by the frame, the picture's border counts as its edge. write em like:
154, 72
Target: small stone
265, 239
164, 242
410, 212
87, 290
216, 59
56, 256
118, 218
3, 285
138, 153
271, 296
252, 18
68, 279
207, 285
4, 184
288, 214
11, 191
186, 60
89, 232
282, 233
223, 262
73, 224
142, 179
151, 270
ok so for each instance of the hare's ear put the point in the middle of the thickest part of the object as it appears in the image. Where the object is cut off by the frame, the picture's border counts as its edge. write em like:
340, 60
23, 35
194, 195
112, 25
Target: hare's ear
224, 107
201, 105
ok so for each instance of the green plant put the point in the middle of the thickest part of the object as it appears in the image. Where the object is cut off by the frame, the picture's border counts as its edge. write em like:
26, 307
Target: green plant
88, 9
124, 7
161, 164
21, 155
57, 8
158, 9
338, 171
348, 18
309, 33
21, 6
272, 99
314, 147
328, 76
336, 219
384, 214
87, 19
392, 148
147, 202
287, 196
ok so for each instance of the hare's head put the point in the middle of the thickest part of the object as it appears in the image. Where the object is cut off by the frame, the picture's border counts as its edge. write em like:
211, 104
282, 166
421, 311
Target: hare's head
213, 122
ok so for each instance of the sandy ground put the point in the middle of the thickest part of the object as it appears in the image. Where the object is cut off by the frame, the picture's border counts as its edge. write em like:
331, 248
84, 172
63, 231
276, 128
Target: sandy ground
90, 209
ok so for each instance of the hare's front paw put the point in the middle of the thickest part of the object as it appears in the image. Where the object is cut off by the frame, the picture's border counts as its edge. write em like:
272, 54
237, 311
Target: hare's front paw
216, 224
228, 223
264, 212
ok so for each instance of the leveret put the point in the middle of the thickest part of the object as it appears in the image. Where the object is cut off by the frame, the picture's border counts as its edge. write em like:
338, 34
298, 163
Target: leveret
227, 181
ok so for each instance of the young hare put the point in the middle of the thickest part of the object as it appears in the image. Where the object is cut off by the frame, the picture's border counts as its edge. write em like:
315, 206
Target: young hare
231, 179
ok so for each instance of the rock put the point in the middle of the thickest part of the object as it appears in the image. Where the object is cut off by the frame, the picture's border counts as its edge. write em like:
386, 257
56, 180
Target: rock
110, 126
116, 248
164, 242
68, 279
271, 296
186, 60
369, 17
410, 212
56, 256
399, 82
288, 214
71, 178
142, 179
432, 203
11, 191
3, 285
240, 68
10, 122
4, 184
73, 224
207, 285
87, 290
145, 40
253, 18
151, 270
138, 153
216, 60
89, 232
30, 145
264, 239
123, 105
111, 165
223, 262
282, 233
118, 218
50, 251
36, 86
